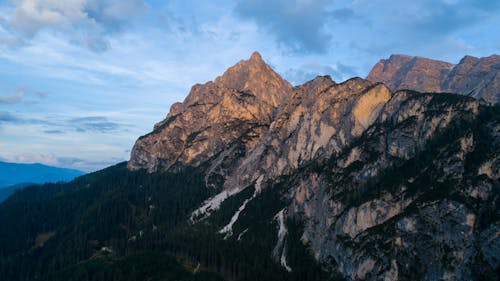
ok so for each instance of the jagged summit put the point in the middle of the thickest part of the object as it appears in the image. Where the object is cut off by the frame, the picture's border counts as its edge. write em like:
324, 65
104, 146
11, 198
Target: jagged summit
256, 56
238, 104
405, 72
256, 77
477, 77
238, 107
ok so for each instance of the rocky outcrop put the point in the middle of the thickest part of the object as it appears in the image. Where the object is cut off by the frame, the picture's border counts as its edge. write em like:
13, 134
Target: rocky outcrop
477, 77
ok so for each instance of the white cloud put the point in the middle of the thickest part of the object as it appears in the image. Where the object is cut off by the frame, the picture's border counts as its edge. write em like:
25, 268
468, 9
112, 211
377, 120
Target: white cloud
47, 159
29, 16
85, 22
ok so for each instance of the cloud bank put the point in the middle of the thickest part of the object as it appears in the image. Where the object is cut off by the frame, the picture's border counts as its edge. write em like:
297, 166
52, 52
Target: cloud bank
85, 22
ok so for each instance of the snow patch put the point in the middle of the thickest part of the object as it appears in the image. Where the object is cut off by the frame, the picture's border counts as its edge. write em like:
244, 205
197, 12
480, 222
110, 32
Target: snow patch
282, 231
228, 229
242, 233
283, 260
282, 227
213, 203
258, 184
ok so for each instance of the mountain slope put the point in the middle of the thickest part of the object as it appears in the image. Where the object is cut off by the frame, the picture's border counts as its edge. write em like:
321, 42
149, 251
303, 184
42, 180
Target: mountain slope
5, 192
322, 181
477, 77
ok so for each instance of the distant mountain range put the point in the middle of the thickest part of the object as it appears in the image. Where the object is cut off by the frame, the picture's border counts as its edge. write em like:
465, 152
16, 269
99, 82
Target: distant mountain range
14, 176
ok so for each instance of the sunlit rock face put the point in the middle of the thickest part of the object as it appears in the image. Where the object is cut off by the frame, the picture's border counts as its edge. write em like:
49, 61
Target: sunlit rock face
477, 77
238, 105
388, 185
416, 73
251, 109
320, 118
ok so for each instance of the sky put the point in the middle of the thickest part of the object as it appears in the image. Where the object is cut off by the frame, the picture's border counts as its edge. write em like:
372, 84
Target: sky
81, 80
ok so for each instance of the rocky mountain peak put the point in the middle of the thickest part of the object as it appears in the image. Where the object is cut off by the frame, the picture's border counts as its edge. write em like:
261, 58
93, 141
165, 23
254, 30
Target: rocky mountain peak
316, 85
256, 77
397, 58
468, 59
477, 77
256, 57
233, 108
405, 72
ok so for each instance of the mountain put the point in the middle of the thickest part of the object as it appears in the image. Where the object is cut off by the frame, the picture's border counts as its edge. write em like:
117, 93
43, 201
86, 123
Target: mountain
240, 103
14, 173
250, 178
14, 176
476, 77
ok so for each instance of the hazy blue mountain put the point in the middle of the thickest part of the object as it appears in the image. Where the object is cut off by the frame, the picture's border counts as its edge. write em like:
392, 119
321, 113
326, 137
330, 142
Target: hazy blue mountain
13, 173
5, 192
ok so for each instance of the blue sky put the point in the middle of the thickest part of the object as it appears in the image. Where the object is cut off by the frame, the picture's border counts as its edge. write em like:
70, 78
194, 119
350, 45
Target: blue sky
80, 80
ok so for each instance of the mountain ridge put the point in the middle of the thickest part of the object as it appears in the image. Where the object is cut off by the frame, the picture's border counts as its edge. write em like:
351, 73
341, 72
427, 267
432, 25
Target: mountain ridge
15, 176
14, 173
477, 77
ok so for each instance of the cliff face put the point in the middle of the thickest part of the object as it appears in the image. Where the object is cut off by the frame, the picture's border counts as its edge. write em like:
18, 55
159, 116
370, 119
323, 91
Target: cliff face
476, 77
407, 201
319, 119
388, 186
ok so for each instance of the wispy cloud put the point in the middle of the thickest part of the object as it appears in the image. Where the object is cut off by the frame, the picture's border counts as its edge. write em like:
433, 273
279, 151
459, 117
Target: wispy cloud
94, 123
47, 159
52, 159
53, 132
7, 117
12, 99
61, 125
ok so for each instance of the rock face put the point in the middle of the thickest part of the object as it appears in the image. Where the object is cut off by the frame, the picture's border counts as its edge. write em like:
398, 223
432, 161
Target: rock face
239, 104
477, 77
403, 203
387, 186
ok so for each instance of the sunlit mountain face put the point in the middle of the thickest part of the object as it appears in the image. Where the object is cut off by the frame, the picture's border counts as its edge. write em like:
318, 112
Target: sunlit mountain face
249, 140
